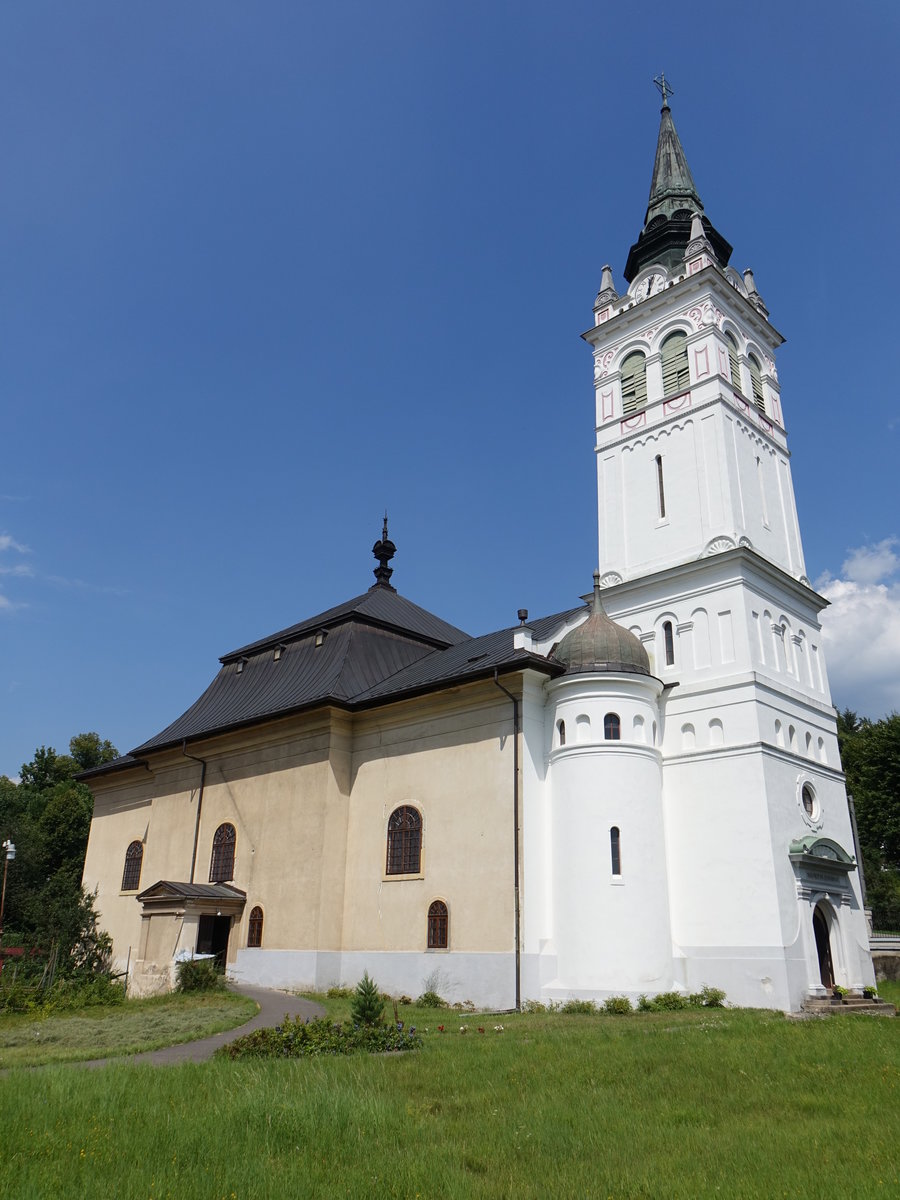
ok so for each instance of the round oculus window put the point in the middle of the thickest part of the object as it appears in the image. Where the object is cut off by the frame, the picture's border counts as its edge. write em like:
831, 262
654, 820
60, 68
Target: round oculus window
810, 807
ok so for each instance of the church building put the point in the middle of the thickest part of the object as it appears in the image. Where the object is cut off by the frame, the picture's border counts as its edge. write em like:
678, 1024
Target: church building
641, 793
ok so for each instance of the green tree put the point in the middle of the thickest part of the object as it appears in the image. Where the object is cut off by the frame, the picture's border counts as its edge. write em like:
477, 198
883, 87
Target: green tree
870, 753
48, 816
367, 1007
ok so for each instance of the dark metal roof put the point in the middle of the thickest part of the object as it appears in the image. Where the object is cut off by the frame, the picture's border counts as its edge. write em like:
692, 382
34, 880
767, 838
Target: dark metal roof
191, 891
380, 605
364, 657
122, 763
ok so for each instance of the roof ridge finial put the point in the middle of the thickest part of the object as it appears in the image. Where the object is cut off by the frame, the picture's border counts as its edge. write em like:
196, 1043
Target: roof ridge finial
384, 550
597, 604
665, 88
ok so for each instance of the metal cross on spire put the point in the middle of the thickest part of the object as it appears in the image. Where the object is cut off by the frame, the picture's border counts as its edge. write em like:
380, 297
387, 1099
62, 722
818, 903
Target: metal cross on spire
665, 89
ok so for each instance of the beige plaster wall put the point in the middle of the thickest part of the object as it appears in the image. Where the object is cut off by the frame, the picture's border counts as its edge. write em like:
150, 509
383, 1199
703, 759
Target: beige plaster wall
310, 798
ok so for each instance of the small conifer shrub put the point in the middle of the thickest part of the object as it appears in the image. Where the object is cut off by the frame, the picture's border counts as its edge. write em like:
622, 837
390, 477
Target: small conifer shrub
367, 1007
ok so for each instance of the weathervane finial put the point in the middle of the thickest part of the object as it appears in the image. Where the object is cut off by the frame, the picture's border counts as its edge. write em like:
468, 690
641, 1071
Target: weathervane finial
665, 88
384, 550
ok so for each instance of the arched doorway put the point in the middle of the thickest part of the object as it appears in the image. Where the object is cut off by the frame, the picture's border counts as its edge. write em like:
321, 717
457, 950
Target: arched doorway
823, 947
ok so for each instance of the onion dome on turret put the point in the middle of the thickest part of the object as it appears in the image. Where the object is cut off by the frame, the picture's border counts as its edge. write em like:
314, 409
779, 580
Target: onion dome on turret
599, 644
672, 204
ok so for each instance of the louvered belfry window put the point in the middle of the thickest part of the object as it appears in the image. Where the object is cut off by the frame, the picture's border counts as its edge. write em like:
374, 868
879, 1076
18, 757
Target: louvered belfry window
404, 841
756, 384
634, 383
733, 363
438, 926
221, 864
131, 876
675, 370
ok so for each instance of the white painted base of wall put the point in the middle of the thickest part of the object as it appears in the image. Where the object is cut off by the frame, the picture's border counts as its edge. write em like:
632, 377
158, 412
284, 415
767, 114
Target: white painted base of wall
488, 980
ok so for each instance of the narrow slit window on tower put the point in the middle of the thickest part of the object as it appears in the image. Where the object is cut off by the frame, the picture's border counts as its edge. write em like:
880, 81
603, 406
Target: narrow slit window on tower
634, 383
615, 850
734, 363
756, 384
660, 487
612, 727
675, 370
561, 732
669, 643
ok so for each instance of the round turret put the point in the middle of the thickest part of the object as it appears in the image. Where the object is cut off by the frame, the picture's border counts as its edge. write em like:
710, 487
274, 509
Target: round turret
599, 644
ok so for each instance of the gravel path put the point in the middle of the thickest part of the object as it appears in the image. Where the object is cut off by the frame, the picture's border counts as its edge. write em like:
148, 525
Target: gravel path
273, 1005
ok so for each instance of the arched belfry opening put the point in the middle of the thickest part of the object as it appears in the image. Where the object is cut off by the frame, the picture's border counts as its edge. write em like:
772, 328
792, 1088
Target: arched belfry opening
823, 947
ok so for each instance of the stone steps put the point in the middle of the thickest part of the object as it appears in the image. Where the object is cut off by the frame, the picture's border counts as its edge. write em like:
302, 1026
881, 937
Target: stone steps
845, 1005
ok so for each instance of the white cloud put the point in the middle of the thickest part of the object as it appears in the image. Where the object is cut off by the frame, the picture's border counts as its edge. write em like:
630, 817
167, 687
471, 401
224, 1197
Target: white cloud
862, 630
20, 569
9, 543
6, 605
871, 564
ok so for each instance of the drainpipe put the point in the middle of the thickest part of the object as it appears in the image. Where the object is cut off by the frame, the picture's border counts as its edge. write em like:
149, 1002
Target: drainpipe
202, 762
517, 918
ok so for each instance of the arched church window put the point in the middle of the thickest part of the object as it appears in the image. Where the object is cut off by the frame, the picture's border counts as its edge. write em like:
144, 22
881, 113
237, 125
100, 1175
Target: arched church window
669, 643
734, 363
675, 370
756, 383
255, 927
221, 863
634, 383
615, 850
131, 876
612, 727
404, 841
561, 732
438, 926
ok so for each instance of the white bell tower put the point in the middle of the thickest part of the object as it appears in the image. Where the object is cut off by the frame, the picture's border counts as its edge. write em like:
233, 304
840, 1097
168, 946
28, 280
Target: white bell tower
701, 559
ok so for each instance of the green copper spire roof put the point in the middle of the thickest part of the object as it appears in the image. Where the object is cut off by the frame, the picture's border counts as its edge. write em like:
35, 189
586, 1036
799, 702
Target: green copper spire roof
599, 644
673, 187
673, 201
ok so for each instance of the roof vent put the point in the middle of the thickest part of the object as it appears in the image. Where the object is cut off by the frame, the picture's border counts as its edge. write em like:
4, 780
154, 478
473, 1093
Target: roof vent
522, 614
240, 665
321, 635
279, 650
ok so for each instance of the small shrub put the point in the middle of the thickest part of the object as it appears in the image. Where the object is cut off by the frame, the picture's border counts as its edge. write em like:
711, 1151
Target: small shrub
533, 1006
338, 992
619, 1006
712, 997
429, 1000
368, 1006
579, 1006
296, 1038
669, 1002
645, 1004
463, 1006
407, 1000
197, 975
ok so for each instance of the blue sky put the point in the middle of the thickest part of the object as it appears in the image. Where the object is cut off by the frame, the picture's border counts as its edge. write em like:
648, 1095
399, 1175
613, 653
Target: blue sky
269, 269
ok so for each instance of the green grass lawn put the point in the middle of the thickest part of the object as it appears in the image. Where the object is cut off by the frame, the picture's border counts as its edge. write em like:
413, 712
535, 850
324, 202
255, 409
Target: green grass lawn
719, 1103
26, 1040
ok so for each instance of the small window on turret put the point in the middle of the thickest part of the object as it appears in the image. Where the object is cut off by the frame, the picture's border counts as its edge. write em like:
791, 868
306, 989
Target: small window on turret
561, 732
615, 850
756, 384
612, 727
634, 383
669, 643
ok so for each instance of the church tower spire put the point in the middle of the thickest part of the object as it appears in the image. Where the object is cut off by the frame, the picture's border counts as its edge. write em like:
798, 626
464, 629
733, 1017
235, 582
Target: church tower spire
673, 201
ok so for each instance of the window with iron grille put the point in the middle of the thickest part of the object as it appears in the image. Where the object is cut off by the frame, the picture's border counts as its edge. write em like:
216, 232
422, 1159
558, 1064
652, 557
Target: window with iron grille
438, 926
615, 853
254, 929
404, 841
221, 864
131, 876
612, 727
675, 370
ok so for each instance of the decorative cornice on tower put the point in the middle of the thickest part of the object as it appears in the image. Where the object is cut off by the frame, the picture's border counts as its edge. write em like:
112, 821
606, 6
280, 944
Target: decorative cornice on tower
672, 204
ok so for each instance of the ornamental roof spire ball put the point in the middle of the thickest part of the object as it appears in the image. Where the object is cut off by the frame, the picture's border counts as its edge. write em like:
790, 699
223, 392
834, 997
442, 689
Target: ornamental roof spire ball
599, 644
